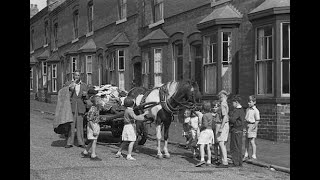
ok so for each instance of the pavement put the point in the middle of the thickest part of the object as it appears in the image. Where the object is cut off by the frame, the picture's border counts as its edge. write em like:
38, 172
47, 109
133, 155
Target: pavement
270, 154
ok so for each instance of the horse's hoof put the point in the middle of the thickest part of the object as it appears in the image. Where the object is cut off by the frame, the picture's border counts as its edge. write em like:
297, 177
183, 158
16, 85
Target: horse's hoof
159, 156
167, 156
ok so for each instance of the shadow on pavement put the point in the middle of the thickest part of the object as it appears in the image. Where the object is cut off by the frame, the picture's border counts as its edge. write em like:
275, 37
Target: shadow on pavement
58, 143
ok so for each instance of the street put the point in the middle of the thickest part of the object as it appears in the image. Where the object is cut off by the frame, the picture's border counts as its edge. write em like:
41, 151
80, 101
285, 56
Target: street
50, 160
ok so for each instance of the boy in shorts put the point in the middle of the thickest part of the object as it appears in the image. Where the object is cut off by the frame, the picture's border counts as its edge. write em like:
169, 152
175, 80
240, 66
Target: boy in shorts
215, 127
252, 119
223, 132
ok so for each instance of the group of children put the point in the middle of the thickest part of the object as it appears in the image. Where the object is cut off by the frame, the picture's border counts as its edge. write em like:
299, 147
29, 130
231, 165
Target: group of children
210, 128
128, 133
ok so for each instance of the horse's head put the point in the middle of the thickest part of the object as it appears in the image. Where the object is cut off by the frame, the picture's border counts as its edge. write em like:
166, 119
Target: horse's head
187, 93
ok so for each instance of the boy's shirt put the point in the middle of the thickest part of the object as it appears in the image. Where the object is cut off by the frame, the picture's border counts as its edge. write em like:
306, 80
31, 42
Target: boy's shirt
236, 119
93, 114
252, 114
224, 110
130, 116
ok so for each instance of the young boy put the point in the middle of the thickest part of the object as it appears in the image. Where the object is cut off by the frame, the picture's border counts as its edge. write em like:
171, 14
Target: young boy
193, 121
93, 128
236, 131
216, 126
252, 120
223, 131
206, 135
129, 129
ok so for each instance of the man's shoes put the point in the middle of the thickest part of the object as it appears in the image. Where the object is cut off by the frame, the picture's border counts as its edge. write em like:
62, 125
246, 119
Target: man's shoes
95, 159
222, 166
85, 155
200, 163
245, 158
68, 146
82, 146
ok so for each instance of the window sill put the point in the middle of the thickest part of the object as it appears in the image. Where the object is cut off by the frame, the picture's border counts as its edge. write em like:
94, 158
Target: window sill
121, 21
75, 40
213, 4
46, 45
156, 24
273, 100
89, 34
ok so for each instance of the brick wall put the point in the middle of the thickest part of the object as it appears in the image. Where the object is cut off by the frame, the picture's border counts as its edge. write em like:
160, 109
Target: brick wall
275, 122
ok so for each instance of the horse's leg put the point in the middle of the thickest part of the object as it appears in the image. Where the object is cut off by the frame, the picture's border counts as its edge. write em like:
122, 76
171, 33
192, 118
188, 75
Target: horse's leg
166, 137
158, 130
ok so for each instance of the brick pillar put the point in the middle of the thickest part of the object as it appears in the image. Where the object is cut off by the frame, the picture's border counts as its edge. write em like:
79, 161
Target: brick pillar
275, 122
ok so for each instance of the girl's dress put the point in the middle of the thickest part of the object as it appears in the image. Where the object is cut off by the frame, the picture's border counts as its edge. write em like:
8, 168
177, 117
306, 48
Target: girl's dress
93, 115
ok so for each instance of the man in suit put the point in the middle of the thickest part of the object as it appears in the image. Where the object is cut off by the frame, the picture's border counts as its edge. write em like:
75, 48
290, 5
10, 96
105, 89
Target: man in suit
78, 97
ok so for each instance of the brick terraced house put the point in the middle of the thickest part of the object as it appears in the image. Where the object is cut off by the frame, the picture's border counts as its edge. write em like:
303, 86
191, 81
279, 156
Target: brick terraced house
242, 46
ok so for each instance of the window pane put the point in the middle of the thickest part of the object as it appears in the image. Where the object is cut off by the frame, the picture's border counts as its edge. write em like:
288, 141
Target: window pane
121, 80
210, 79
268, 31
89, 80
198, 50
285, 40
264, 77
269, 47
225, 52
121, 63
180, 50
121, 53
260, 75
269, 77
285, 76
180, 68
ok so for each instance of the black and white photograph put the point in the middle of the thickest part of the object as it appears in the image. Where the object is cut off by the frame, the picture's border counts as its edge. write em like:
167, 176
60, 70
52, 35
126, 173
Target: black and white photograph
159, 89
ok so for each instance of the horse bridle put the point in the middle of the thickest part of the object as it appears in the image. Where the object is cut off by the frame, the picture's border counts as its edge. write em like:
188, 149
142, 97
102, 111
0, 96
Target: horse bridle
180, 103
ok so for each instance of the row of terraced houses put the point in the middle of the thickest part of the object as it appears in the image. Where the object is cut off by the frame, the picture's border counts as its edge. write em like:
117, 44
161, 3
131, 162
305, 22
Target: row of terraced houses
242, 46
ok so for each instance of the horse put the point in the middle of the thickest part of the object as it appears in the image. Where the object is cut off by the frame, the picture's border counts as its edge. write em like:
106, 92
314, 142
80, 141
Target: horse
162, 102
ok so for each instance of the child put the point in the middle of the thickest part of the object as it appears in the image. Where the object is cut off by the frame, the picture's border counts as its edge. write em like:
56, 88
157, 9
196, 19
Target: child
193, 121
93, 128
236, 131
206, 135
129, 129
216, 126
223, 131
252, 120
186, 127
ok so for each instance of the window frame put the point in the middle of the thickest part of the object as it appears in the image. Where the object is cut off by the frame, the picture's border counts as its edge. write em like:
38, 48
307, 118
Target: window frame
46, 32
159, 3
157, 73
75, 24
54, 77
284, 58
73, 61
210, 59
229, 41
87, 66
124, 59
175, 58
31, 78
55, 35
90, 18
256, 61
32, 39
112, 61
122, 9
